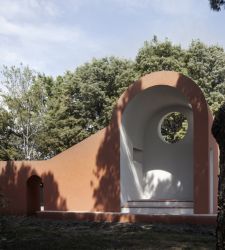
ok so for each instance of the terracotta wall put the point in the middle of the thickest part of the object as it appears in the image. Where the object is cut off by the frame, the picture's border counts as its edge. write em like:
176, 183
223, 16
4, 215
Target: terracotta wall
83, 178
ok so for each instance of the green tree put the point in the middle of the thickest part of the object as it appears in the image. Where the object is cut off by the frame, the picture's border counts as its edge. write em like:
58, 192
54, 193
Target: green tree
9, 148
82, 101
206, 66
24, 101
60, 128
218, 132
174, 127
101, 83
217, 4
46, 115
157, 56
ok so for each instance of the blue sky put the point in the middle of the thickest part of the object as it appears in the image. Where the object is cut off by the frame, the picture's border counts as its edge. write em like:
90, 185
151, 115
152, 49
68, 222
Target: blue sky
55, 36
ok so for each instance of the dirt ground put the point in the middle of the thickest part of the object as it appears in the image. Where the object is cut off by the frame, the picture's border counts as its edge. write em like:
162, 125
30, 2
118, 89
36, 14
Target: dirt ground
31, 233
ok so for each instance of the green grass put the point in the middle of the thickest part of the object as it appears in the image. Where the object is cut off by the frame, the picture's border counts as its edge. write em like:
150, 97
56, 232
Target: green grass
30, 233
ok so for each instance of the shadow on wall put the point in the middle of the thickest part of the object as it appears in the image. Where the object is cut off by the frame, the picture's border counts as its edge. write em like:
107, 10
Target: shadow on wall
200, 150
157, 187
107, 193
189, 92
13, 183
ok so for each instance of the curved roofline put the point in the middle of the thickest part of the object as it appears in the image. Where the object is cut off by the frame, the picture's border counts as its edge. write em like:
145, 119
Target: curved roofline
184, 84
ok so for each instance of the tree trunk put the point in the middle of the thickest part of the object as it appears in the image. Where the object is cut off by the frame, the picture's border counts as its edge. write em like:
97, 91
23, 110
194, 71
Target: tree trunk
218, 131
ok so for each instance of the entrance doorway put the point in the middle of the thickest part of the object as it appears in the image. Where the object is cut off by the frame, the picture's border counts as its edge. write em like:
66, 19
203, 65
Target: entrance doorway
35, 195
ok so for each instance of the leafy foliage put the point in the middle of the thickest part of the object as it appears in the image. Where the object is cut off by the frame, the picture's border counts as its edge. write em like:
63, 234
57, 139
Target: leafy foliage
81, 102
174, 127
41, 116
22, 110
206, 66
157, 56
217, 4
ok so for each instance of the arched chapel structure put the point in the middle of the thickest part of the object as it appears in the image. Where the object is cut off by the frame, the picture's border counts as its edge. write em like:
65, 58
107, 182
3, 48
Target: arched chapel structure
127, 167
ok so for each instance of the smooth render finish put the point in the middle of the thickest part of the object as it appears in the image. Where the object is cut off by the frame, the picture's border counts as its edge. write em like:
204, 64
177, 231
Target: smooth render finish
150, 167
128, 161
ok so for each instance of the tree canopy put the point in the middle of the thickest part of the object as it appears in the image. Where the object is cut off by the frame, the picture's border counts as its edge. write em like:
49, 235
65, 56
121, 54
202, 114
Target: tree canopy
41, 116
217, 4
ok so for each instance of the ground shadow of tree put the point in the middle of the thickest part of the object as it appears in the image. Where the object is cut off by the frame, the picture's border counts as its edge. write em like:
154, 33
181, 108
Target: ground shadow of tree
107, 193
13, 184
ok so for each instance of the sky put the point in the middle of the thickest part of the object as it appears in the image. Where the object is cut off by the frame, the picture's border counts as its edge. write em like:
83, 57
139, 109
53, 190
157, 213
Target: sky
53, 36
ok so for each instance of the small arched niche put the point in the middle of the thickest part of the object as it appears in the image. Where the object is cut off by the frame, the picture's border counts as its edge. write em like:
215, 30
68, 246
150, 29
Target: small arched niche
35, 190
151, 168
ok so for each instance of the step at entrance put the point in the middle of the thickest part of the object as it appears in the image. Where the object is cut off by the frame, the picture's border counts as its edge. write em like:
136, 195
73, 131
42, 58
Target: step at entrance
175, 207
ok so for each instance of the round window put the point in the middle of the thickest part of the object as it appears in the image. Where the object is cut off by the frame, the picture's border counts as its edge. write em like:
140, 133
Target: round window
174, 127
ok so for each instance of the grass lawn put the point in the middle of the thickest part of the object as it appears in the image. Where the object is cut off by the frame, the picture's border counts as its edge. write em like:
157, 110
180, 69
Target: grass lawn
31, 233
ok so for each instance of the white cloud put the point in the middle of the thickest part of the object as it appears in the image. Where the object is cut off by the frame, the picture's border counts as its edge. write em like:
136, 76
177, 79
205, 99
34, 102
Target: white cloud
173, 7
133, 4
38, 33
8, 56
28, 9
169, 7
52, 35
44, 44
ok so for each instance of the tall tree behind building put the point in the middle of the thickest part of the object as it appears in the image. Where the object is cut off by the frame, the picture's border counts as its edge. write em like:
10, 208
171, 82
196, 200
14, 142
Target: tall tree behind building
22, 112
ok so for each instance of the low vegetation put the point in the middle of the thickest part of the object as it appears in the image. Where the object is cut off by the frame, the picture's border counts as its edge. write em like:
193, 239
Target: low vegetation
31, 233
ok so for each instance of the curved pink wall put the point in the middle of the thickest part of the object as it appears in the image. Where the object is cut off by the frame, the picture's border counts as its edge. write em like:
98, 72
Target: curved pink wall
86, 176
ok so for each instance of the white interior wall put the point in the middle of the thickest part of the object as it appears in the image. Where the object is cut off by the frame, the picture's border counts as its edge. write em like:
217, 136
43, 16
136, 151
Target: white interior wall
151, 168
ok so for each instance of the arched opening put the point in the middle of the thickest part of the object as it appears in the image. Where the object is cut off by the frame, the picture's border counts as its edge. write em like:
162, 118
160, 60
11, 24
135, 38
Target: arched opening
35, 198
157, 169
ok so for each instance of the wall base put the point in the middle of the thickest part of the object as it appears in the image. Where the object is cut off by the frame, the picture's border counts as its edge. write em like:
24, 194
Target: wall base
201, 219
